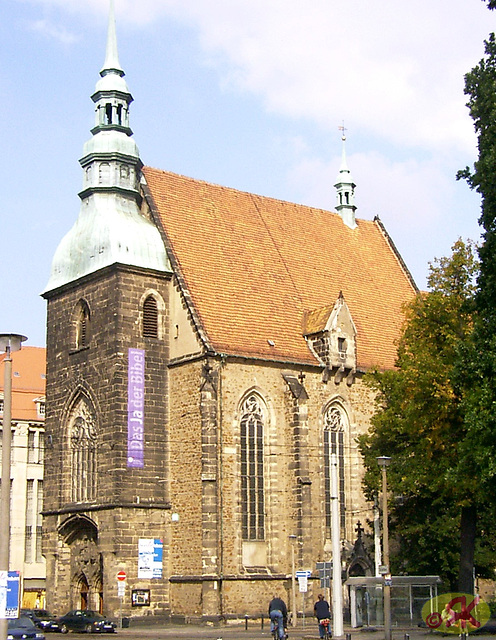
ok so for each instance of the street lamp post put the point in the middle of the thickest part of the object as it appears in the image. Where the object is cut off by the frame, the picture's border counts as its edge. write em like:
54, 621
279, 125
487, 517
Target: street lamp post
292, 539
9, 342
383, 462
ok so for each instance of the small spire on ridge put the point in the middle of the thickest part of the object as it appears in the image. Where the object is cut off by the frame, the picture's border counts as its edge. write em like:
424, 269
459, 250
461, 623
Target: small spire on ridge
345, 188
344, 164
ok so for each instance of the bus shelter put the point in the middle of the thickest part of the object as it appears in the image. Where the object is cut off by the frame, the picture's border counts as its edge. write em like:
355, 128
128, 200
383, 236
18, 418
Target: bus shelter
408, 595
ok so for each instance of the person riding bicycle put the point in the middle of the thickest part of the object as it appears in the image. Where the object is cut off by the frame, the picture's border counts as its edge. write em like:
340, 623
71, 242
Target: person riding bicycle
278, 614
322, 612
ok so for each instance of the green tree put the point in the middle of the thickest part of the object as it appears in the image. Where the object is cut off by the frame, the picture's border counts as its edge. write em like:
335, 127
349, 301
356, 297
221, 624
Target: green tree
479, 357
420, 423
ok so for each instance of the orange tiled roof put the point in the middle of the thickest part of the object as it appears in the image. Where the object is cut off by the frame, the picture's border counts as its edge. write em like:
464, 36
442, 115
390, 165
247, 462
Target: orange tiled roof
253, 264
28, 381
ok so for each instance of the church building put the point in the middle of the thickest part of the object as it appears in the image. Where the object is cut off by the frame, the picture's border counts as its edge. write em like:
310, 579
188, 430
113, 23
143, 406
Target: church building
206, 349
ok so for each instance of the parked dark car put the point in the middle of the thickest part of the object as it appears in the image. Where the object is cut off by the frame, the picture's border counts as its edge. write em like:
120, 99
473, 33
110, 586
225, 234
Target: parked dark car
23, 627
42, 619
85, 620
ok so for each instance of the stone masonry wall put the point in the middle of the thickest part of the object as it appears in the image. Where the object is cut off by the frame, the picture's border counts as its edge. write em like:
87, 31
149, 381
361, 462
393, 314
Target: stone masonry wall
130, 503
294, 474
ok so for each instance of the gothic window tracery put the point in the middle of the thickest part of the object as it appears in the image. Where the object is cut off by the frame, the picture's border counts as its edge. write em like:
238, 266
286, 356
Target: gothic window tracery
83, 446
334, 432
252, 468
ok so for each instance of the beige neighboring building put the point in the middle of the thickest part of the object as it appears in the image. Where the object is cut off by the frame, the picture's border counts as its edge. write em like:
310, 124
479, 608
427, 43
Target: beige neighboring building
206, 349
28, 429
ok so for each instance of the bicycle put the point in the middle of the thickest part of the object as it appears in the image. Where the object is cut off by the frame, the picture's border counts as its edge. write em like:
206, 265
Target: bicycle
326, 623
275, 633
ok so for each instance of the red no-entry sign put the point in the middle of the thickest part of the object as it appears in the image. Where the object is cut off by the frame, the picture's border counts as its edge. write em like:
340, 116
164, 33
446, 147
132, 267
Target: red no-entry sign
121, 576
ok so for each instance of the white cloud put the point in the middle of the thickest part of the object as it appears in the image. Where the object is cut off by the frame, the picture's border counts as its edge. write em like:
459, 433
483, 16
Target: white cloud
394, 69
53, 31
381, 185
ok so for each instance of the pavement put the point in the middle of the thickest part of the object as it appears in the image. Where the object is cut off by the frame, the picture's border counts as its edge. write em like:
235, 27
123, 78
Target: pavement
254, 631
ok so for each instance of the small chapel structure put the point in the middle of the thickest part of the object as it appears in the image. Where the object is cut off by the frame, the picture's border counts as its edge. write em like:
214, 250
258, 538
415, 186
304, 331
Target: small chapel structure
205, 357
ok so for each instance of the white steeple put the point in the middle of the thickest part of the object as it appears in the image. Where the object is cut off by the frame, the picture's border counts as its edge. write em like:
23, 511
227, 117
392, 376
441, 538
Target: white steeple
111, 55
345, 190
110, 228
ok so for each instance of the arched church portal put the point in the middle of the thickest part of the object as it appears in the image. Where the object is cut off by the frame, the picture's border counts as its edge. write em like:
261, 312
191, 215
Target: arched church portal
80, 534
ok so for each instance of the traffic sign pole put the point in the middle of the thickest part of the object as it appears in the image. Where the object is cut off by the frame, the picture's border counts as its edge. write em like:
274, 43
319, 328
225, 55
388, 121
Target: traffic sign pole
121, 591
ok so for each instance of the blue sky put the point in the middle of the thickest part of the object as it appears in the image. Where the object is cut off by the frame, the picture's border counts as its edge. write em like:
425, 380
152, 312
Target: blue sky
247, 94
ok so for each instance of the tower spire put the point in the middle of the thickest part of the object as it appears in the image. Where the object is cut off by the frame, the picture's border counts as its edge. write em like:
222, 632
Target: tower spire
111, 55
110, 229
345, 188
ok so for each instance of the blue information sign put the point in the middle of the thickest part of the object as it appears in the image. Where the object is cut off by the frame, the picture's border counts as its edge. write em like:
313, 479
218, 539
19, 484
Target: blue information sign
10, 589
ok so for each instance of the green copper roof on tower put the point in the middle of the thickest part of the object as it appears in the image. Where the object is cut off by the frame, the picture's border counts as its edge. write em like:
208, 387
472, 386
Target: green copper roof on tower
110, 228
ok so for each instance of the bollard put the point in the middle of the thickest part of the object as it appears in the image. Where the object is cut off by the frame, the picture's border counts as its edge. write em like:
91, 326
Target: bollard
348, 636
246, 622
407, 636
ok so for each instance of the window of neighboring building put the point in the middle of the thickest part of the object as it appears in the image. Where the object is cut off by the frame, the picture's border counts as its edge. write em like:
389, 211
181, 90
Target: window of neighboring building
252, 468
32, 457
39, 532
41, 447
334, 443
82, 325
33, 529
28, 536
150, 318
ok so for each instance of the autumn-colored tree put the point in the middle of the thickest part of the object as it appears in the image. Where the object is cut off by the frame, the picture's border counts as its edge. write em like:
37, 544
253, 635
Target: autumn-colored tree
420, 423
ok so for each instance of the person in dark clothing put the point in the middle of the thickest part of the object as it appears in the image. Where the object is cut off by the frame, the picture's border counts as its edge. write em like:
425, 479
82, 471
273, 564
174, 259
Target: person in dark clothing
278, 614
322, 612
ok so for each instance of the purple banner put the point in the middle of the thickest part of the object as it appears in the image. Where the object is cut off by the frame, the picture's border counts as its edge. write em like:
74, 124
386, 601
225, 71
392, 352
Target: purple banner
136, 408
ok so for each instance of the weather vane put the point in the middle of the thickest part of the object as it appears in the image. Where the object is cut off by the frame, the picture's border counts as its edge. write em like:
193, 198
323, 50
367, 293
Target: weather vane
342, 128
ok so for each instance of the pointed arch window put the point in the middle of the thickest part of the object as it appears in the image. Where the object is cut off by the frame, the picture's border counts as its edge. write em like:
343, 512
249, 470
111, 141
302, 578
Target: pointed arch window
82, 325
252, 469
334, 422
83, 456
150, 318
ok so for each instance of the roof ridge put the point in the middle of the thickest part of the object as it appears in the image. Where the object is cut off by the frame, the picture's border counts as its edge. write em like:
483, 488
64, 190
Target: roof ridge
250, 193
397, 254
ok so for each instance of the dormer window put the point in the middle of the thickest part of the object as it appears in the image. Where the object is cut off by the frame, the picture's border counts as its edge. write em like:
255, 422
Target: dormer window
331, 336
41, 409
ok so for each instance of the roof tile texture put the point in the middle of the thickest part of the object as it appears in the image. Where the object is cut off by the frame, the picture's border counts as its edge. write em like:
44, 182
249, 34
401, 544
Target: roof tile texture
28, 381
253, 264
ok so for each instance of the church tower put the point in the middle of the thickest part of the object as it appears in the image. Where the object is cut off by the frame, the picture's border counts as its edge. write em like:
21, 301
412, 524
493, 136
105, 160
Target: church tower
107, 342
